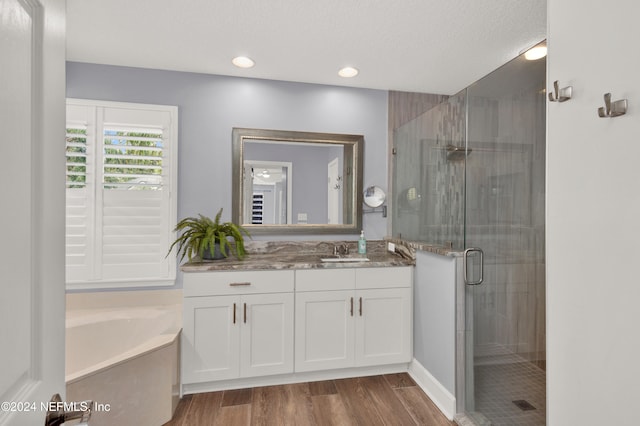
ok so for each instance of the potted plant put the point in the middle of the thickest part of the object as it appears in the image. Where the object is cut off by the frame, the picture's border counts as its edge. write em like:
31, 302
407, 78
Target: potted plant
209, 239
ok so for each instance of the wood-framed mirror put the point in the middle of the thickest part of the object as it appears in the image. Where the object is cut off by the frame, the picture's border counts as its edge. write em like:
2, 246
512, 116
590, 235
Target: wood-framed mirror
288, 182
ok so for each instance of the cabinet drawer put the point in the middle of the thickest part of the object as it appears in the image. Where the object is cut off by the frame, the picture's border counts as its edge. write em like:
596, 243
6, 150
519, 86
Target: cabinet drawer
401, 276
325, 279
237, 282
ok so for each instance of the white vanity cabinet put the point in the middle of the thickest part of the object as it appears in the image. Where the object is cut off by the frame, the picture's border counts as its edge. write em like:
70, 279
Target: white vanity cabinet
237, 324
353, 317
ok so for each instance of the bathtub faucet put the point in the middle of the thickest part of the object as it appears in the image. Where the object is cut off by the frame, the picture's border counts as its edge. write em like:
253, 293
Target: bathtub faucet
58, 414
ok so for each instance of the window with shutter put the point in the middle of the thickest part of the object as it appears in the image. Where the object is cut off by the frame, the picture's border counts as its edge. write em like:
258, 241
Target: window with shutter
121, 194
76, 156
78, 209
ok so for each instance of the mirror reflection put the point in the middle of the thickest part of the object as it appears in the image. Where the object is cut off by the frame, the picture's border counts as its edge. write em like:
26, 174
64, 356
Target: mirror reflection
267, 186
297, 182
374, 196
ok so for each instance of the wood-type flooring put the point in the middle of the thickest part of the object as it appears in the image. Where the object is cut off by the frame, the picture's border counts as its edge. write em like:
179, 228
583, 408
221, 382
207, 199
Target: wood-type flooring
391, 399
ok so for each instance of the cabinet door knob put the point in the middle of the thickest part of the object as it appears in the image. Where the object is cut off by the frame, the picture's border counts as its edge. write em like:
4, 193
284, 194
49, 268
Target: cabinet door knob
239, 284
245, 313
352, 306
360, 307
234, 313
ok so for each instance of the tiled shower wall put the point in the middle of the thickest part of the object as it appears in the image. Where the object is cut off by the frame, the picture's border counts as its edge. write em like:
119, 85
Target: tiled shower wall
504, 205
428, 190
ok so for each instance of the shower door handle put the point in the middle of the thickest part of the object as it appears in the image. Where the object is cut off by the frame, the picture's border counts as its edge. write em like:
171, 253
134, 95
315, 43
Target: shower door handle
465, 267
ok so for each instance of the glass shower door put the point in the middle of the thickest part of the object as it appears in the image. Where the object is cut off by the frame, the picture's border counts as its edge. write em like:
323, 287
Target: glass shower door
504, 216
469, 173
428, 181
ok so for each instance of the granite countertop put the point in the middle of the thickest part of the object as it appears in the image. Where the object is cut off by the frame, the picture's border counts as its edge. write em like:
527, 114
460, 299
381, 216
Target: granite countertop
276, 255
431, 248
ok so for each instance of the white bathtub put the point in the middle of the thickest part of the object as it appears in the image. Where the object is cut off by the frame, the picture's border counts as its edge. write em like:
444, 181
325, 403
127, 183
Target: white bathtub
126, 359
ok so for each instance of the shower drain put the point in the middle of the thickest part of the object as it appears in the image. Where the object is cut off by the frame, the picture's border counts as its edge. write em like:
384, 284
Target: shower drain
523, 405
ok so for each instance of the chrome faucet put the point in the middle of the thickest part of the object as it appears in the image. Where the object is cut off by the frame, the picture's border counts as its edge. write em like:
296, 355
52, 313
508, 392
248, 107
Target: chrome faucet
340, 250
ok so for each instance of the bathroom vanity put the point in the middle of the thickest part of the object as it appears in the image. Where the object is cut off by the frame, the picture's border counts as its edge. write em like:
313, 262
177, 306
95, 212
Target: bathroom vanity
237, 324
286, 317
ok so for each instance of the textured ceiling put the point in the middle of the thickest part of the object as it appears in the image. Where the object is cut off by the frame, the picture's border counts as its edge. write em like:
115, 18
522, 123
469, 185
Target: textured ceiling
433, 46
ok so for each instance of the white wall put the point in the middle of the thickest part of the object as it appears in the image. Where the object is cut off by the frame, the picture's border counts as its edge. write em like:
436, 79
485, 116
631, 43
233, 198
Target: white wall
593, 216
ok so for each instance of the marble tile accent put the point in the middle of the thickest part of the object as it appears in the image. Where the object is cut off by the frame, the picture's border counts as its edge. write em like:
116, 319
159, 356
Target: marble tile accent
310, 247
422, 246
268, 255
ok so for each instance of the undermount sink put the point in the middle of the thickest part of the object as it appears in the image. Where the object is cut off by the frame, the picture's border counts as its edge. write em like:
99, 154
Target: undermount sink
346, 258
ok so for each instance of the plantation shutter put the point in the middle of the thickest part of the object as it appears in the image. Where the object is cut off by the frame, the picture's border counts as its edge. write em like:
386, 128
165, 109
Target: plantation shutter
79, 197
131, 187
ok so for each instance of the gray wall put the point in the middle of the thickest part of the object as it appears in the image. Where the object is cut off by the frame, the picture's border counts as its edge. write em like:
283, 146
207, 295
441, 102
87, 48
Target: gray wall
434, 316
210, 106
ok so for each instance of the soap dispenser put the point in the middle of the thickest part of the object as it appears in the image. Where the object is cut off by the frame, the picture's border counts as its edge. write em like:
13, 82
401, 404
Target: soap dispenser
362, 244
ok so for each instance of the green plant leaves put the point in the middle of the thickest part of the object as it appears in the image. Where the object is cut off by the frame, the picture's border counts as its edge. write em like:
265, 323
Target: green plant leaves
200, 234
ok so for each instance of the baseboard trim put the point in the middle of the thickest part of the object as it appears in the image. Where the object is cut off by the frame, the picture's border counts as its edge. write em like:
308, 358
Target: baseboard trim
440, 396
311, 376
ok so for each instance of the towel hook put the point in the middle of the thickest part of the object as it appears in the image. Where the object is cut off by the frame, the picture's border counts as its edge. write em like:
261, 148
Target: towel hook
612, 109
560, 95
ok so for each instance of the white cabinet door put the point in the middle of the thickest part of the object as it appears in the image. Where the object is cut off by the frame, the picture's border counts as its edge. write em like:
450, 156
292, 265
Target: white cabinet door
324, 330
266, 334
383, 326
210, 338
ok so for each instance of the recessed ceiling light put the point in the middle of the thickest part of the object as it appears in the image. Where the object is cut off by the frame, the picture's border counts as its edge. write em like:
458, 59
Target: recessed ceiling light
243, 62
536, 52
348, 72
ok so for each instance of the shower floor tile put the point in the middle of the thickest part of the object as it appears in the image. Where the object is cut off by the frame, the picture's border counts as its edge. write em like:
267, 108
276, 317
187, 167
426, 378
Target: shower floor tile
500, 390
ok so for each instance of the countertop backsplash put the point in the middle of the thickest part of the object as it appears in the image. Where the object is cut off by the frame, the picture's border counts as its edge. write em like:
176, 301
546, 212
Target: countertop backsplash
265, 255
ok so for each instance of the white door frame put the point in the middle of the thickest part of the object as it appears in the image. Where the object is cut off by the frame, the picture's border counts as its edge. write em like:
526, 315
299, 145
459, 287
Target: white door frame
32, 117
248, 164
334, 185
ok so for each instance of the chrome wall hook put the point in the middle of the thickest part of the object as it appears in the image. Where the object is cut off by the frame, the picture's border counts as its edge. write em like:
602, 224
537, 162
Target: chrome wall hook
612, 109
560, 95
